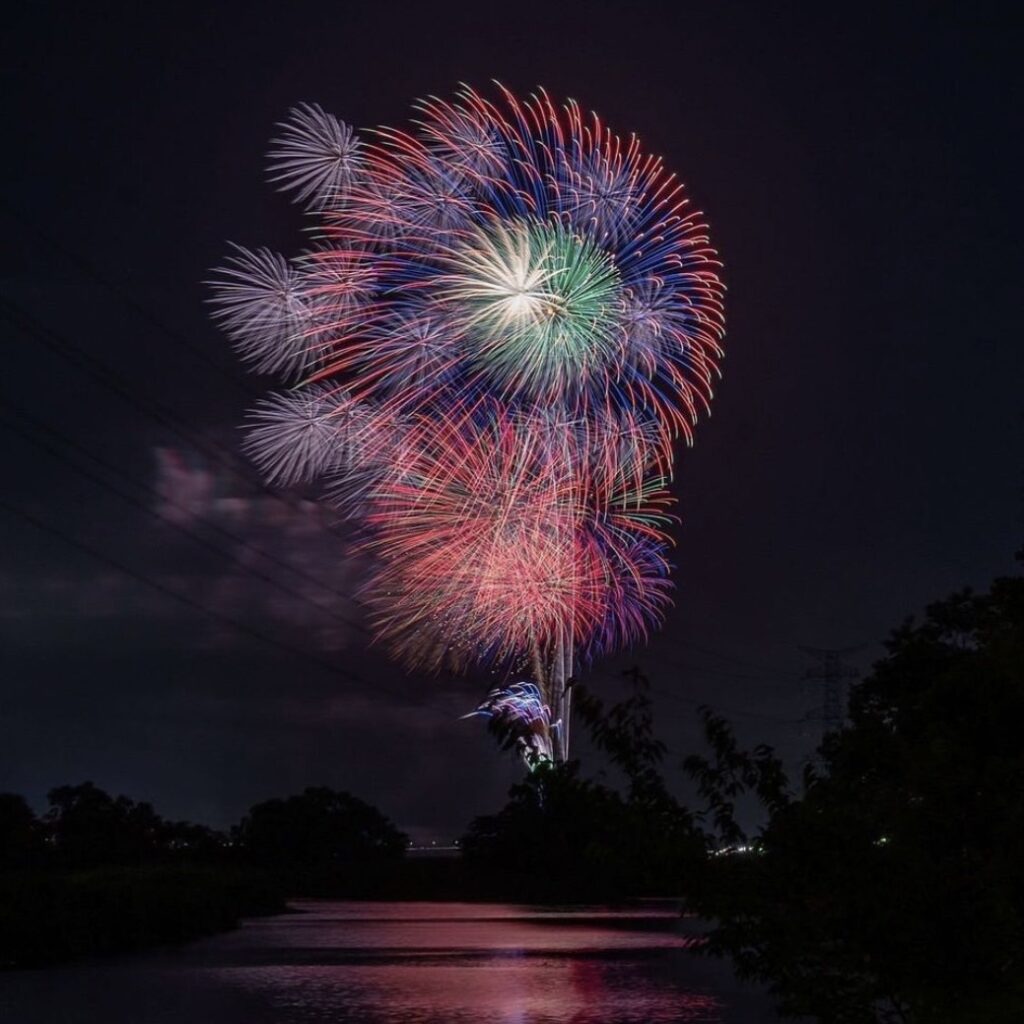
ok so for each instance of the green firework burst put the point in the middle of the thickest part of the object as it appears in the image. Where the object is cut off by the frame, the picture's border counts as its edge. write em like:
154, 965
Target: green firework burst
538, 305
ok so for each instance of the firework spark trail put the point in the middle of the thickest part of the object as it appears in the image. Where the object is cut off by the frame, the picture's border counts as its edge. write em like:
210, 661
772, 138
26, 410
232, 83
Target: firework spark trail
506, 319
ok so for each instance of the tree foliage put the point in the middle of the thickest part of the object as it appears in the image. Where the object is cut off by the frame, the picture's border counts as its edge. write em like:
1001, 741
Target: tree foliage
21, 839
318, 837
894, 889
86, 827
563, 836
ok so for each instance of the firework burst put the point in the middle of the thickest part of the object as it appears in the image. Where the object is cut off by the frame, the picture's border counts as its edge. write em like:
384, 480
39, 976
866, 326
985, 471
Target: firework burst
520, 719
507, 318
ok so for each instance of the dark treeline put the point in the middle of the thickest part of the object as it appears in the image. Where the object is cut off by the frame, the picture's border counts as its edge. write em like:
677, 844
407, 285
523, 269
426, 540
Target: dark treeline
98, 873
888, 886
87, 828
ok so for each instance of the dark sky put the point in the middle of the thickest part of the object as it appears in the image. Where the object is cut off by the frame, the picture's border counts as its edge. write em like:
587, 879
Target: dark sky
864, 456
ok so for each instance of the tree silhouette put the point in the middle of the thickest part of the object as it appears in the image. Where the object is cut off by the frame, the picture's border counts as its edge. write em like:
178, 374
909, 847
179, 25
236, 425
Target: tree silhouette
21, 840
317, 837
563, 836
88, 827
894, 889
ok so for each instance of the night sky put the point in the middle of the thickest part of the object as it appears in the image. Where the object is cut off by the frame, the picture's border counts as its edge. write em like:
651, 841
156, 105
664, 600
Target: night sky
864, 456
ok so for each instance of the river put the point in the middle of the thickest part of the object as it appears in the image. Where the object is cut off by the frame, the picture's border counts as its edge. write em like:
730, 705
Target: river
329, 962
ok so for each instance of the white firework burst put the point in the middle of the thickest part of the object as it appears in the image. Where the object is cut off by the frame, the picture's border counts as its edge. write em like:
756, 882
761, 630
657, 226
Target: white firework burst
316, 156
297, 436
262, 305
463, 139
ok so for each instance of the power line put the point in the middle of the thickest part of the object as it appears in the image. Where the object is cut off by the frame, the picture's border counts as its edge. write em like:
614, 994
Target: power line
693, 702
728, 657
212, 613
717, 673
109, 467
88, 268
196, 538
768, 674
184, 599
117, 385
667, 695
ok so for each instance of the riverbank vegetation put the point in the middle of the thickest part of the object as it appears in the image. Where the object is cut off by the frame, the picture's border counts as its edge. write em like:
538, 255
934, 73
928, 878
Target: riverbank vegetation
103, 874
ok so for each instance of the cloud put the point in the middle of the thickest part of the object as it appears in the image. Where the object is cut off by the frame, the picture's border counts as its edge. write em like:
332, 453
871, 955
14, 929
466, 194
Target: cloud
279, 567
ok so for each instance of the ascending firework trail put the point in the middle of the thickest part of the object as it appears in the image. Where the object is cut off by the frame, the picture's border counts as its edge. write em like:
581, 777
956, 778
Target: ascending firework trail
506, 318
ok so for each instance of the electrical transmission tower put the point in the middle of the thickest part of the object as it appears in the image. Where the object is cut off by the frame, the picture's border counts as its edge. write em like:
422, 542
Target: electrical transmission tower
834, 675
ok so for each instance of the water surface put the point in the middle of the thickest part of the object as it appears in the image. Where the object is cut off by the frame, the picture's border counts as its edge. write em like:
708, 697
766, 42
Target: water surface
405, 963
